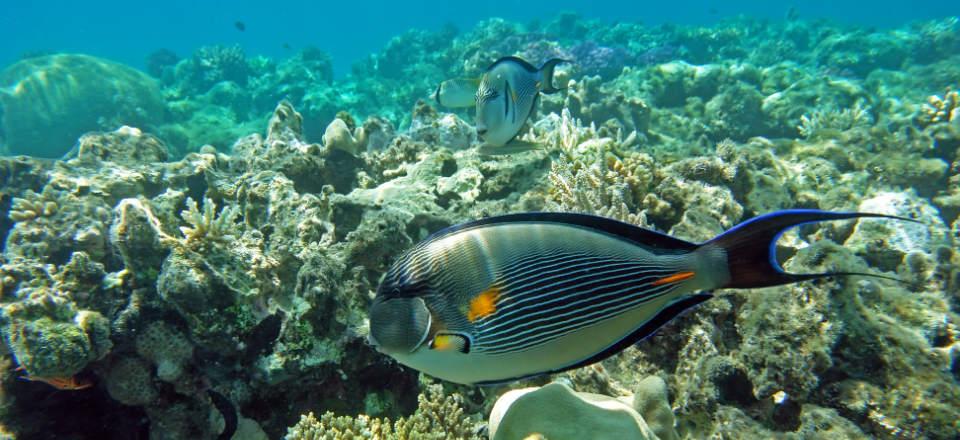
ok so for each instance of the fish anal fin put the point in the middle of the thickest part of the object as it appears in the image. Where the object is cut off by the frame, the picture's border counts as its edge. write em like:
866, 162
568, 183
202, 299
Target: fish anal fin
512, 147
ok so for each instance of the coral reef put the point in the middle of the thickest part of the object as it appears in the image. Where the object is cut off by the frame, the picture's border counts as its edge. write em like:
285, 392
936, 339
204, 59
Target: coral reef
200, 254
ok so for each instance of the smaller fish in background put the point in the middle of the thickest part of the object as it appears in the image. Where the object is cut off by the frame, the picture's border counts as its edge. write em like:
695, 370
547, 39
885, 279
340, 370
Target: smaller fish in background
240, 26
506, 97
792, 14
457, 92
287, 46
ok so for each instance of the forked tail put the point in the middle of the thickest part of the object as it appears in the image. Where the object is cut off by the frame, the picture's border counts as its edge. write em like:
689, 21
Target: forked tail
751, 247
546, 75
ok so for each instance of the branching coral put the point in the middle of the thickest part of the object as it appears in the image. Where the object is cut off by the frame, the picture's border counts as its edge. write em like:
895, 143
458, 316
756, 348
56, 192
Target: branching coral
940, 109
595, 189
823, 122
438, 417
207, 226
593, 174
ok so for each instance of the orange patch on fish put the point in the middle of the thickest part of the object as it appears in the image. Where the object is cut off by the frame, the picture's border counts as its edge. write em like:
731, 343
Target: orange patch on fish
484, 304
675, 278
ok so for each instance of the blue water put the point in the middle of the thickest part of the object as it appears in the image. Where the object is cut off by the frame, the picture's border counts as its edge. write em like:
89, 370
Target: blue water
129, 31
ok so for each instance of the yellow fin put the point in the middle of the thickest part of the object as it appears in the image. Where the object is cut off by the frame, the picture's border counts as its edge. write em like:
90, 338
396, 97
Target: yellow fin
450, 342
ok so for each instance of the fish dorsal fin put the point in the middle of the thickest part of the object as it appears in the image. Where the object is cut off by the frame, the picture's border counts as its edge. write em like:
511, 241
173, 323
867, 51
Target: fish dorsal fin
647, 238
512, 59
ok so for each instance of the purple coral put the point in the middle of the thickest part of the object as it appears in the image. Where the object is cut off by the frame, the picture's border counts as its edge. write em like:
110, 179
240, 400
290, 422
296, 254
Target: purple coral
538, 52
658, 54
519, 43
594, 59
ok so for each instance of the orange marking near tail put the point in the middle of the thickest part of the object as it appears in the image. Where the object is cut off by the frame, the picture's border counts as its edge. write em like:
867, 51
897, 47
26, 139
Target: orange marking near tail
484, 304
675, 278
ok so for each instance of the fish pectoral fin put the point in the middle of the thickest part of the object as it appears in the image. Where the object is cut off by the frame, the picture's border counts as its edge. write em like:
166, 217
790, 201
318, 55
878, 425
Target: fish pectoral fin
450, 341
675, 278
511, 147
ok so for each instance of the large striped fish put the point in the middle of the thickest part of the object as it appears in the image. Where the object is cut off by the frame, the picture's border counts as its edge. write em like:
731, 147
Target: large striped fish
506, 97
521, 295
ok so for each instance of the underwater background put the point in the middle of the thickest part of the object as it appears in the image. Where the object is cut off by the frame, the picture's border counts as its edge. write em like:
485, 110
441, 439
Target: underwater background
199, 200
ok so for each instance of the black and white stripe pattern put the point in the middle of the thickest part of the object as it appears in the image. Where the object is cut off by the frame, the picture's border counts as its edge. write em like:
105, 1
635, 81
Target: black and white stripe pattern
548, 296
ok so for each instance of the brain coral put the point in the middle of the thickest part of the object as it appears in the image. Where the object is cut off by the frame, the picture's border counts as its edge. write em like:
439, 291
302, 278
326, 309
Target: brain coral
167, 347
129, 382
47, 102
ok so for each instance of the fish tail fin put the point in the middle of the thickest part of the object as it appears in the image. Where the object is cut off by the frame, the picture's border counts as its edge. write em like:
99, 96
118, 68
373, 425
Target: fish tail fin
436, 94
751, 247
546, 75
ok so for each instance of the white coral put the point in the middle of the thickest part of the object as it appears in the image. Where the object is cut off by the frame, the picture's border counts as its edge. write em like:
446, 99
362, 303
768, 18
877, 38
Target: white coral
207, 225
826, 120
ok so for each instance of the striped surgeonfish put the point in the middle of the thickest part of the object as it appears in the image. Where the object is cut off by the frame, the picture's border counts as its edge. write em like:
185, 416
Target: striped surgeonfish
516, 296
505, 99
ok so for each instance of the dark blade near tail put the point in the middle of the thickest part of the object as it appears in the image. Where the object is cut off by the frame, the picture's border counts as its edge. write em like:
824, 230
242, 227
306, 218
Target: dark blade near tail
751, 246
546, 72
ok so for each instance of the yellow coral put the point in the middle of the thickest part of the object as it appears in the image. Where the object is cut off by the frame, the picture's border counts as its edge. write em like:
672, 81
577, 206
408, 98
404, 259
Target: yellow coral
25, 209
940, 109
438, 417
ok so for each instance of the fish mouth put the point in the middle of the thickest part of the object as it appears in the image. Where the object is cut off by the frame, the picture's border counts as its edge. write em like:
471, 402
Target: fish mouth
481, 132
